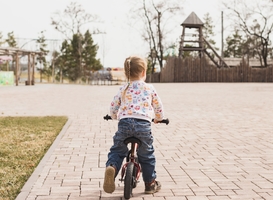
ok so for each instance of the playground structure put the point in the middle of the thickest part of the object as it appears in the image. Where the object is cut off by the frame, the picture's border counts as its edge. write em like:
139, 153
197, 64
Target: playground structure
188, 42
16, 54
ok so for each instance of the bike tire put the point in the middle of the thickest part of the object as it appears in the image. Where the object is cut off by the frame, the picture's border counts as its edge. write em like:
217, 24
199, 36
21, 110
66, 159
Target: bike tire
129, 181
134, 183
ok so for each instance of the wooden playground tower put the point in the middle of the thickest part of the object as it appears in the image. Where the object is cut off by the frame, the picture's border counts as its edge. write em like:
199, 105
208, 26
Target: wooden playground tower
188, 43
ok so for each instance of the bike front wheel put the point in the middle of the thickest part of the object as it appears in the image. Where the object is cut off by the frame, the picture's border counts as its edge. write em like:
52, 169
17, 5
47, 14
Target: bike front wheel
129, 181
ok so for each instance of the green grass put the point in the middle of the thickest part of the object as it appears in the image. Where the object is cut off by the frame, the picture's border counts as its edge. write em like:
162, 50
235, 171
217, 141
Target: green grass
23, 143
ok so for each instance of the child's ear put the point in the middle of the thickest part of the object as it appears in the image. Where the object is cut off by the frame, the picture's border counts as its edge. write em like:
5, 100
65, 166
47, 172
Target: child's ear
143, 73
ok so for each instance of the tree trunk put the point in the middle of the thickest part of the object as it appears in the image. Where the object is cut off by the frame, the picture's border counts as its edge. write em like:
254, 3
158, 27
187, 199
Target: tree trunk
53, 70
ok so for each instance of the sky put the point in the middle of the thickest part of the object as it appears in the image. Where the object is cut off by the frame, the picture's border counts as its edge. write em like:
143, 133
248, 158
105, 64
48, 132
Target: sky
27, 18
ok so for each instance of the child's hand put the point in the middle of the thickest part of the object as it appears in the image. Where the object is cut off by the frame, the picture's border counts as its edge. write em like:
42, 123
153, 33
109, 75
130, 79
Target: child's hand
155, 121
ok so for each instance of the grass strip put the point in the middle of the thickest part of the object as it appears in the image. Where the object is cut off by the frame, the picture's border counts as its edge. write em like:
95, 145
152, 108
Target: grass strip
23, 143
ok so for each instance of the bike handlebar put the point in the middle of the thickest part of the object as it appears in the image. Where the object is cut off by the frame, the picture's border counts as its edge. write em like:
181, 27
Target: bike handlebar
107, 117
165, 121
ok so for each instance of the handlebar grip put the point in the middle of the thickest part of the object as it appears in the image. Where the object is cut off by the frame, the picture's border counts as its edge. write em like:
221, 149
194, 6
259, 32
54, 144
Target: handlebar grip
107, 117
165, 121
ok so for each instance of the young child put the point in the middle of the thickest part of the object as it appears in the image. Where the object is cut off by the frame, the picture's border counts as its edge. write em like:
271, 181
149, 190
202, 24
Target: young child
135, 104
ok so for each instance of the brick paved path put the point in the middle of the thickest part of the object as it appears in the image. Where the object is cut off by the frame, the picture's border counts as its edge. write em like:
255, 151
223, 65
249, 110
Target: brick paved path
218, 145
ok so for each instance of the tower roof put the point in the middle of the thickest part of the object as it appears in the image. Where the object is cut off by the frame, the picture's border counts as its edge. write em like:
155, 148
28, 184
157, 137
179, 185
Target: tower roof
192, 21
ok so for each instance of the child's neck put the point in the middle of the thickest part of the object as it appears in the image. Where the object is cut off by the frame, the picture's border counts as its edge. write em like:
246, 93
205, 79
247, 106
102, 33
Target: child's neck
135, 79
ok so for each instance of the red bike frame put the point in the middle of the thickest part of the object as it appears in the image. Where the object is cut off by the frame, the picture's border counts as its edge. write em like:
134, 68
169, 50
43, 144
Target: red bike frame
134, 147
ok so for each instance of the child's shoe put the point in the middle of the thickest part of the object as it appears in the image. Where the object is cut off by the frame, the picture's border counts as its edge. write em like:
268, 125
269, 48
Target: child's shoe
152, 187
109, 179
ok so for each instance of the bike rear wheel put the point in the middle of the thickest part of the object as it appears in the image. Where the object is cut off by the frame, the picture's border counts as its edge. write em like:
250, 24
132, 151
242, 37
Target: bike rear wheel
129, 181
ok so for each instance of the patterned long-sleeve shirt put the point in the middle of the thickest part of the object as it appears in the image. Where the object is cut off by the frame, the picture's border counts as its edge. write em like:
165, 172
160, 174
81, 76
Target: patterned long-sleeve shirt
139, 101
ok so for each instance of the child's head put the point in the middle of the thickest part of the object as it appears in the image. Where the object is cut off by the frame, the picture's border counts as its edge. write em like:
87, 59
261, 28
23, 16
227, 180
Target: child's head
135, 68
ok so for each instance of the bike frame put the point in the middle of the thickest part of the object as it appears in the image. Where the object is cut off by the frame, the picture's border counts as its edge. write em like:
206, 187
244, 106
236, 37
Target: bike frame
132, 158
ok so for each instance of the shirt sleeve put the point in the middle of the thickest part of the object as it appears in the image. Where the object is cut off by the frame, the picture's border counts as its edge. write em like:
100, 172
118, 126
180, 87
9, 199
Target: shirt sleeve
115, 104
157, 106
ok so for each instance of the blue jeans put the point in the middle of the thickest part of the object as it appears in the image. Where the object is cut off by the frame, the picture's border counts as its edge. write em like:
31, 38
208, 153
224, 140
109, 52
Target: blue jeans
140, 129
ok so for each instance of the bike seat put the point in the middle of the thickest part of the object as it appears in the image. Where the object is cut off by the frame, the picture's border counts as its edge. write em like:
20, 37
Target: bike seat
132, 140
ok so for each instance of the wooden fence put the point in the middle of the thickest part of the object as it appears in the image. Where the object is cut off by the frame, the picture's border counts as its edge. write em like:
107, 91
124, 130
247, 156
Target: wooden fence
199, 70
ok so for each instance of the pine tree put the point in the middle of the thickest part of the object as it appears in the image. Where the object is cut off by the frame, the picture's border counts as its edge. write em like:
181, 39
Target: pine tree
64, 61
235, 44
11, 40
90, 49
41, 41
1, 39
12, 43
82, 57
208, 33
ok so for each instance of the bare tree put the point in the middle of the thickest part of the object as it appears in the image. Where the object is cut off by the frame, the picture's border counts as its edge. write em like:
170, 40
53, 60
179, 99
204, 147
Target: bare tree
255, 19
155, 17
72, 20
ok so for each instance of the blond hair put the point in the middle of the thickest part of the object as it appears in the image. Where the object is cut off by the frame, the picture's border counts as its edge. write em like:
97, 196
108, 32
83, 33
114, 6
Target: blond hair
133, 68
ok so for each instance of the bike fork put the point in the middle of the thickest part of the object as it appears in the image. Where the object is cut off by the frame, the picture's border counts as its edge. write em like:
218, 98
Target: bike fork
132, 158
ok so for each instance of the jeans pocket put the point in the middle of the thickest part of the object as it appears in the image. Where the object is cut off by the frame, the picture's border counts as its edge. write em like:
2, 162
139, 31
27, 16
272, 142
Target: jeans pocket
143, 128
